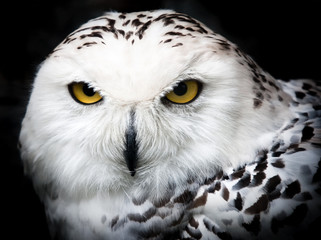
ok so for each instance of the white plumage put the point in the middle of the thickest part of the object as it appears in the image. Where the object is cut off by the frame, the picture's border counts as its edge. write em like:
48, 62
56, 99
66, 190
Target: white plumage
149, 125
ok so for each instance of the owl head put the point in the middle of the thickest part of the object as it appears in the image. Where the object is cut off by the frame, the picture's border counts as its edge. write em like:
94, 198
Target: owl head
145, 100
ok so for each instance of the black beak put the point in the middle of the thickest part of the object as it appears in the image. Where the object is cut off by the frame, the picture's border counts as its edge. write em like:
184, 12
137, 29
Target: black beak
131, 146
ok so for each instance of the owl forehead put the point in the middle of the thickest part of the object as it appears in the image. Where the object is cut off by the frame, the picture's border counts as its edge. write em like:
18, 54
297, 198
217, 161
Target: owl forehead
166, 25
135, 56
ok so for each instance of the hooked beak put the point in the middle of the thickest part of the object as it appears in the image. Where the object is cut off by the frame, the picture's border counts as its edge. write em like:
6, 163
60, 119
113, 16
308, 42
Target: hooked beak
131, 146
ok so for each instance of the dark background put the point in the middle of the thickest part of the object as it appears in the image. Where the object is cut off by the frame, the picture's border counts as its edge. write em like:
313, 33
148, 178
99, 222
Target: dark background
284, 40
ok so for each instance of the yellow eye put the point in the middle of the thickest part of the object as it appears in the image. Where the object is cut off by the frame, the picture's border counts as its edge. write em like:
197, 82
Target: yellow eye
184, 92
83, 93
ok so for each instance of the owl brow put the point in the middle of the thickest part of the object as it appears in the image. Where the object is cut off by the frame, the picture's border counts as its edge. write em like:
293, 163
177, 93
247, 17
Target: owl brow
181, 78
90, 84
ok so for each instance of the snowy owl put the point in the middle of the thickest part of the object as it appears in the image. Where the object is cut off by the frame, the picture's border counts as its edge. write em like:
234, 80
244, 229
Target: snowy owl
149, 125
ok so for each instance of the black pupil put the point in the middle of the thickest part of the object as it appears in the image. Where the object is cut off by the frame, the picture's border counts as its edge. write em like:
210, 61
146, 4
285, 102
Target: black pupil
181, 89
88, 90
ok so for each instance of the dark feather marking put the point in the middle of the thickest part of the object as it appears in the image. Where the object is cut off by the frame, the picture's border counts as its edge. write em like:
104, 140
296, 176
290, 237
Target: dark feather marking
260, 205
122, 32
277, 153
214, 187
224, 44
208, 181
185, 197
306, 86
260, 167
88, 44
272, 183
312, 93
278, 163
93, 34
295, 148
262, 155
174, 33
122, 16
117, 223
178, 44
103, 28
272, 84
262, 87
292, 189
225, 194
274, 194
168, 22
224, 236
194, 233
260, 96
209, 226
238, 202
275, 147
168, 19
126, 23
263, 78
293, 219
128, 35
190, 29
114, 221
136, 22
150, 213
200, 201
142, 29
254, 226
300, 95
111, 22
258, 179
257, 103
256, 79
52, 52
193, 223
317, 107
307, 133
68, 40
289, 126
295, 120
141, 15
179, 27
136, 217
237, 174
243, 182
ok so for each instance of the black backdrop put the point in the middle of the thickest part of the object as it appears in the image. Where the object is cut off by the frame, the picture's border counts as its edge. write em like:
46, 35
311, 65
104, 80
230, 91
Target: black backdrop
283, 39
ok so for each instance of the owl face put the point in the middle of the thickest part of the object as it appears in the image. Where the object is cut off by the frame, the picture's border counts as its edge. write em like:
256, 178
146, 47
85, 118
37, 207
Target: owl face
142, 101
